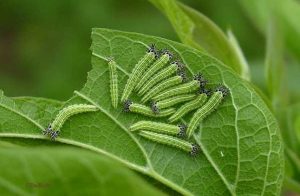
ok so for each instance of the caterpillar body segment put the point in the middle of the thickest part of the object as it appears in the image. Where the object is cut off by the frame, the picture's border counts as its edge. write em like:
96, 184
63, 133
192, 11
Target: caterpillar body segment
169, 129
114, 93
165, 103
175, 80
188, 107
212, 103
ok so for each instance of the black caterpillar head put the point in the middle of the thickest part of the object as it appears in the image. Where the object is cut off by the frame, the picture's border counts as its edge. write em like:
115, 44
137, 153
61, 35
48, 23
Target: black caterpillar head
154, 107
126, 105
48, 130
152, 49
166, 51
54, 134
223, 89
195, 149
182, 130
183, 76
205, 91
180, 66
202, 81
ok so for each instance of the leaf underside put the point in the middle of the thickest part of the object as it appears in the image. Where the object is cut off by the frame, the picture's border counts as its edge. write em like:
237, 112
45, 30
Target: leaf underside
240, 142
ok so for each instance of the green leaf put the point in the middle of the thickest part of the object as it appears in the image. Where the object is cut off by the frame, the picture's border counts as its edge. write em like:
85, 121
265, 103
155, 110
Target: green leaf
240, 142
198, 31
65, 171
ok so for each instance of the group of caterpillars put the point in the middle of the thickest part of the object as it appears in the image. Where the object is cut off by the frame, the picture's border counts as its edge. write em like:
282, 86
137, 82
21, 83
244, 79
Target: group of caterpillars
165, 85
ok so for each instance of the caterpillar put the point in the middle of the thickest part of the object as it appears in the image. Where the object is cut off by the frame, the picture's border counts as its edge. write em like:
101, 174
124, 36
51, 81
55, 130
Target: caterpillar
178, 130
138, 71
163, 74
54, 128
157, 65
186, 146
129, 106
113, 82
212, 103
190, 106
197, 83
157, 106
164, 85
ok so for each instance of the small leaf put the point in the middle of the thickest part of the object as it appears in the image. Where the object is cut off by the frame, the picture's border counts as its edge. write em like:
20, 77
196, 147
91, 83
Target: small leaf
200, 32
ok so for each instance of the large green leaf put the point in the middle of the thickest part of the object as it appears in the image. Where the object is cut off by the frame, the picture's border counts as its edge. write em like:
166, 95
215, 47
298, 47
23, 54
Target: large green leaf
240, 142
200, 32
65, 171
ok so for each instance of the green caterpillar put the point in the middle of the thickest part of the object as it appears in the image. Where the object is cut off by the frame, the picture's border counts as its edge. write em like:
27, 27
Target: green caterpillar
164, 85
129, 106
157, 65
163, 74
197, 83
114, 93
138, 71
212, 103
190, 106
178, 130
186, 146
157, 106
63, 115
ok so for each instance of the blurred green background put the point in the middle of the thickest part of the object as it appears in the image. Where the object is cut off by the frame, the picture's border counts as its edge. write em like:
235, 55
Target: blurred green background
44, 45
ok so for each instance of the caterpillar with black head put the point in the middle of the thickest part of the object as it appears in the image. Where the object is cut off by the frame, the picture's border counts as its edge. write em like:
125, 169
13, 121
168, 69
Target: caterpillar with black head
165, 103
114, 93
53, 129
161, 75
184, 145
176, 130
212, 103
129, 106
138, 71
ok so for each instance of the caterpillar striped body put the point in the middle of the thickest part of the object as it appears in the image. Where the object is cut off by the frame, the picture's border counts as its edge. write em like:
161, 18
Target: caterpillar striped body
165, 103
189, 106
177, 130
138, 71
63, 115
196, 84
186, 146
161, 75
212, 103
164, 85
114, 93
157, 65
129, 106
